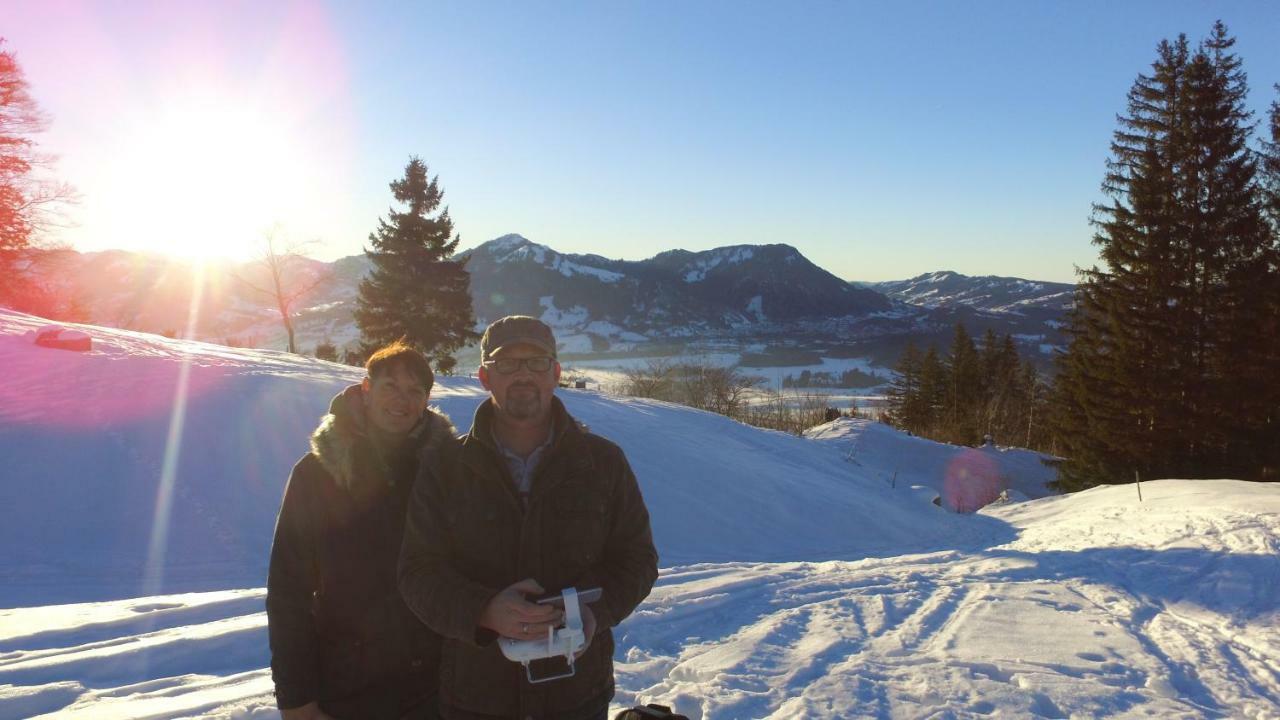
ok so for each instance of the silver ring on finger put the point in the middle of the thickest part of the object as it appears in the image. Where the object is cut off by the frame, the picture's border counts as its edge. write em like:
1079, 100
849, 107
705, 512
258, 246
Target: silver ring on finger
524, 628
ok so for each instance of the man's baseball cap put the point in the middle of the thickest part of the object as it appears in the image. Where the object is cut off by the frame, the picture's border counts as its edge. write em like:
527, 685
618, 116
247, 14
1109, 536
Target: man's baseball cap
514, 330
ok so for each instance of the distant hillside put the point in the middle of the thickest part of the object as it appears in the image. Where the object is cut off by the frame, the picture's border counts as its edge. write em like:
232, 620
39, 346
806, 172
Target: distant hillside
674, 293
766, 297
989, 292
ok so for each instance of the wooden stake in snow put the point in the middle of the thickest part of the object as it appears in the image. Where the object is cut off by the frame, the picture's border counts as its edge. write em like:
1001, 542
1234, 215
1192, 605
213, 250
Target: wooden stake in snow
894, 484
1137, 482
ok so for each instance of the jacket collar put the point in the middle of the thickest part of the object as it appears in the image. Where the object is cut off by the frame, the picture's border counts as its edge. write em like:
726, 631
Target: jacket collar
341, 438
482, 424
567, 438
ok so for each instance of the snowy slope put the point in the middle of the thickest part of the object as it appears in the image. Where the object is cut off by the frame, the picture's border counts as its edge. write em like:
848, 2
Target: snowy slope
799, 580
963, 478
86, 435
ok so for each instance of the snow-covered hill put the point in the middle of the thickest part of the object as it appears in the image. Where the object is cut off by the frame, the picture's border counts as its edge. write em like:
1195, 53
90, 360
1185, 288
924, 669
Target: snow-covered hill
675, 294
803, 577
990, 293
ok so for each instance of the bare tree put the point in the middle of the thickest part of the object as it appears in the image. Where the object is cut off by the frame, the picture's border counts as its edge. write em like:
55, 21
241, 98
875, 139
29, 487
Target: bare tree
287, 277
652, 380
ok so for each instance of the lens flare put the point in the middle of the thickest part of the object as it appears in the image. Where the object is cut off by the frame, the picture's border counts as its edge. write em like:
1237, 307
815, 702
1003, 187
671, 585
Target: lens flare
972, 480
153, 577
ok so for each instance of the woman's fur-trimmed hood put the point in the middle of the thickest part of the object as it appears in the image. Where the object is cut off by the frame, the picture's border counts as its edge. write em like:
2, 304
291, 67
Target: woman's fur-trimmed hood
334, 441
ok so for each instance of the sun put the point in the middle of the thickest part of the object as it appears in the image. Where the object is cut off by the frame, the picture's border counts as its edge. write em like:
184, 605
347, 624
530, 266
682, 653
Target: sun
203, 177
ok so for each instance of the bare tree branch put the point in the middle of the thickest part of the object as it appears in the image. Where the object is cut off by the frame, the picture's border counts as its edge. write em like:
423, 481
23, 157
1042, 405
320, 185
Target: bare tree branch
282, 260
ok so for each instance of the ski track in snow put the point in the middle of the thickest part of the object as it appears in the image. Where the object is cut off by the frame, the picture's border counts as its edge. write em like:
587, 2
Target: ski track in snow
1052, 633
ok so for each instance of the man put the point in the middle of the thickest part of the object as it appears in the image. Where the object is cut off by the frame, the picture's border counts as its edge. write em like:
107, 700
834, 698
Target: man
343, 644
528, 502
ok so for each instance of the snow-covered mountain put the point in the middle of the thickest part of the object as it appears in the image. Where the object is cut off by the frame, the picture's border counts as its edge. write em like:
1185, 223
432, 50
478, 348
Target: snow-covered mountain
674, 294
990, 293
802, 577
765, 295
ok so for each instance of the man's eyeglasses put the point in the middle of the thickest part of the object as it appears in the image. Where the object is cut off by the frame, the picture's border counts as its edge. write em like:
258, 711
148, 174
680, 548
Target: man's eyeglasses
506, 366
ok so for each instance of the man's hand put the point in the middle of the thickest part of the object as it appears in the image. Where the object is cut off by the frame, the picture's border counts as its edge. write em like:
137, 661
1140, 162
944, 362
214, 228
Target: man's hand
510, 615
310, 711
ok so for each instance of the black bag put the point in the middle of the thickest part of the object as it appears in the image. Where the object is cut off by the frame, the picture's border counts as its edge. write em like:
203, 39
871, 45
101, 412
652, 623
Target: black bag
652, 711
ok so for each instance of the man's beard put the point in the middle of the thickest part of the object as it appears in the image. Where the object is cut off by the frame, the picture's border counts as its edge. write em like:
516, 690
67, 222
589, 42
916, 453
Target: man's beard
523, 402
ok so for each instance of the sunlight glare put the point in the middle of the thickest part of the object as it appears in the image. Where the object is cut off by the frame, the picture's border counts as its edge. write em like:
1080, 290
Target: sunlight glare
206, 176
157, 547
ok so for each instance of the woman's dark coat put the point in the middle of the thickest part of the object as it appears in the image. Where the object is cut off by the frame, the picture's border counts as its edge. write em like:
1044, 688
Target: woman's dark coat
340, 634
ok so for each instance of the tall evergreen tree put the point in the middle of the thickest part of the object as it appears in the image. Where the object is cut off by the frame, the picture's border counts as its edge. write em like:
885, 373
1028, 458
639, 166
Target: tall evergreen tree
970, 393
905, 398
965, 389
934, 384
1270, 156
1005, 391
414, 290
1267, 395
1151, 380
1235, 267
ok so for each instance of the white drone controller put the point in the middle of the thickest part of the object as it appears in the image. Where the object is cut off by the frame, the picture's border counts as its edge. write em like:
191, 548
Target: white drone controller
564, 641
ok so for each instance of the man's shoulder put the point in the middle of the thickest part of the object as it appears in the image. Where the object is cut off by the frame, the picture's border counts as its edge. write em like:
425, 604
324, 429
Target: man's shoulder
598, 442
601, 449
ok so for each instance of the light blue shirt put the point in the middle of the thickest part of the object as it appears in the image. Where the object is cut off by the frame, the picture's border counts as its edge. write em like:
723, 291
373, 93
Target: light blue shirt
521, 468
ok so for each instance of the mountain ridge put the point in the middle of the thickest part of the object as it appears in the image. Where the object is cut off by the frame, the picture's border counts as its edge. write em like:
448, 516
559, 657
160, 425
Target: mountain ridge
730, 295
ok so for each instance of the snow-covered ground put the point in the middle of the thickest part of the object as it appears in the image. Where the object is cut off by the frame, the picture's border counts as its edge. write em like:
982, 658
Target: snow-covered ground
803, 577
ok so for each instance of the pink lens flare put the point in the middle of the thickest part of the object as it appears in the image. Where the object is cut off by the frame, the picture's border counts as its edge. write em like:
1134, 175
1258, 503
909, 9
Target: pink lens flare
972, 480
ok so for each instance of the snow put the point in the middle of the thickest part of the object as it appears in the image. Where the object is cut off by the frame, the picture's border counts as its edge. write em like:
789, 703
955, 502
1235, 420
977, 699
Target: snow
604, 328
572, 318
698, 270
568, 268
995, 294
755, 308
799, 579
575, 343
509, 248
506, 243
960, 476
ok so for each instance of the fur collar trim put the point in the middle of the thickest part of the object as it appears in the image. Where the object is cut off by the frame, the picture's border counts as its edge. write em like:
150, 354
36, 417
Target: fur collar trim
334, 442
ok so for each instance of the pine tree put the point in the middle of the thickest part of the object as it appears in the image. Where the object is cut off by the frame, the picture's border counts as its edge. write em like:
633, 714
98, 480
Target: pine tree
1004, 389
1151, 380
1270, 161
964, 403
1267, 394
414, 290
934, 383
1235, 267
905, 397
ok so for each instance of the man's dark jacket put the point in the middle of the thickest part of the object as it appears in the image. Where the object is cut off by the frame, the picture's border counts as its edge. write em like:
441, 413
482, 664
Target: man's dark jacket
468, 537
340, 633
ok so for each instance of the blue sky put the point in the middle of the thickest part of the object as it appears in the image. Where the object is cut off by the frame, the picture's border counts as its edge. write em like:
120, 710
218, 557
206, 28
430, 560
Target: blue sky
881, 139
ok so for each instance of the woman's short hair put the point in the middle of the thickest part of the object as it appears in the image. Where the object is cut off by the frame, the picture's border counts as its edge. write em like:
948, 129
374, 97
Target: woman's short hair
403, 355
